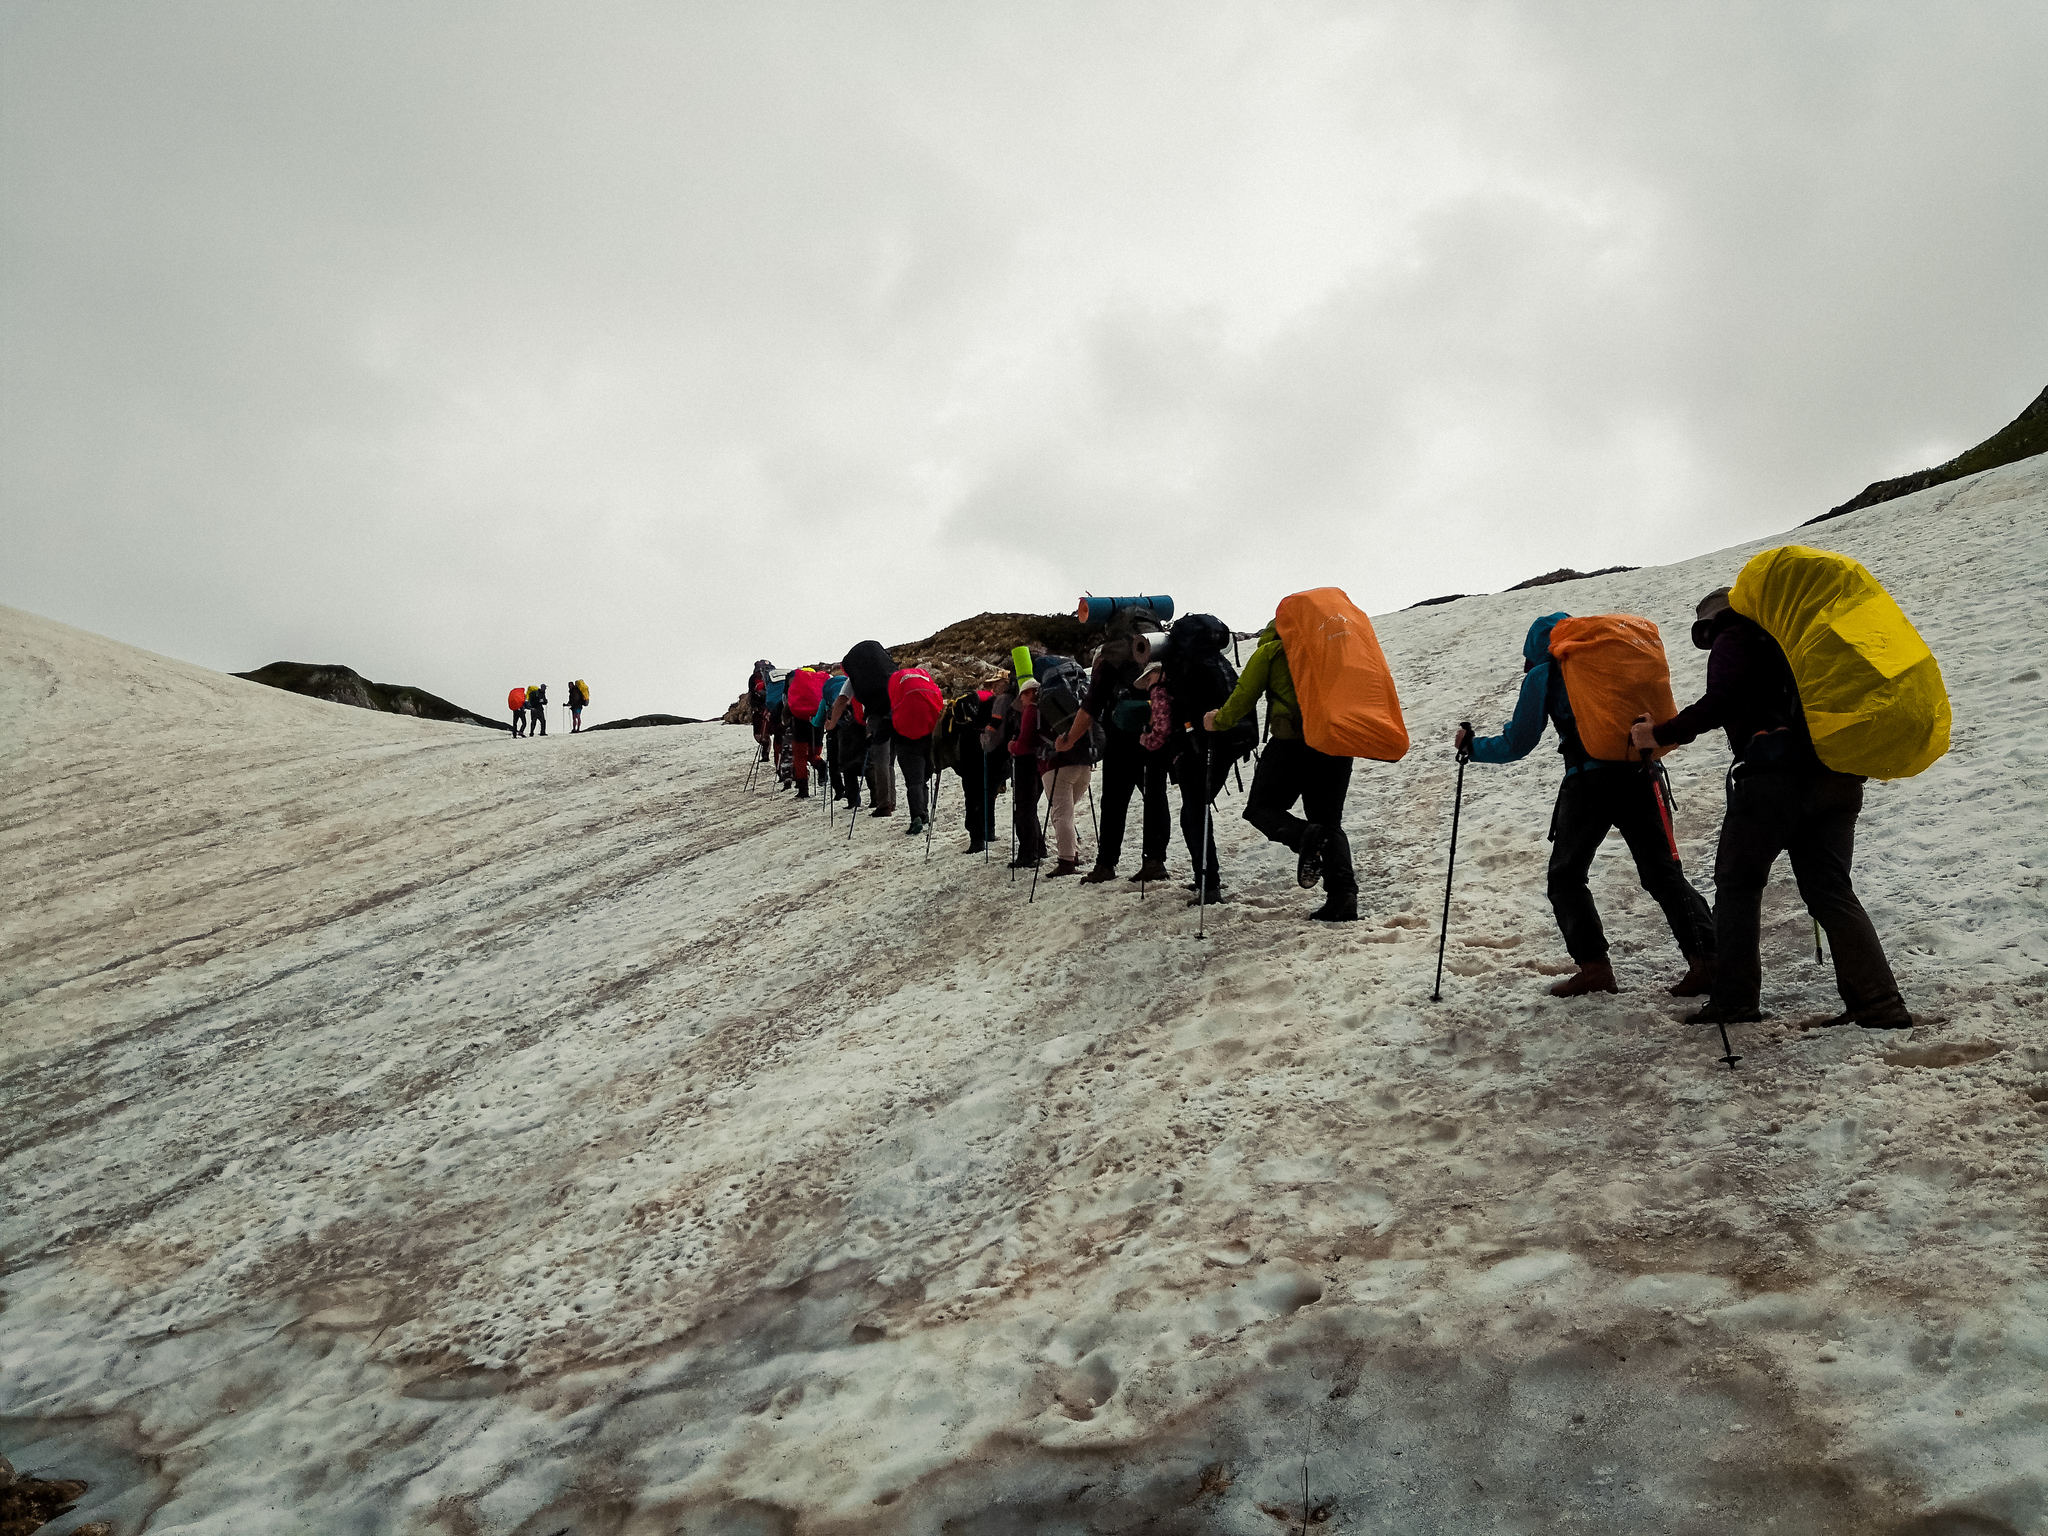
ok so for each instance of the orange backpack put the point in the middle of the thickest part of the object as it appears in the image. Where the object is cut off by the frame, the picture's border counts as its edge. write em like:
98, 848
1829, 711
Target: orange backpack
1346, 694
1614, 670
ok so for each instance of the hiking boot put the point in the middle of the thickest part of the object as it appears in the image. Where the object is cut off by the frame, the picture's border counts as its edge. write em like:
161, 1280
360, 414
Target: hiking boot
1021, 862
1886, 1015
1207, 898
1064, 867
1338, 907
1150, 870
803, 791
974, 845
881, 810
1597, 976
1698, 980
1726, 1013
1309, 869
1101, 874
916, 826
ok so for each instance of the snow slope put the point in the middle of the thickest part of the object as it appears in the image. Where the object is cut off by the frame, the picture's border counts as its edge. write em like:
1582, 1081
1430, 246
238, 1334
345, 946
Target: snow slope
411, 1129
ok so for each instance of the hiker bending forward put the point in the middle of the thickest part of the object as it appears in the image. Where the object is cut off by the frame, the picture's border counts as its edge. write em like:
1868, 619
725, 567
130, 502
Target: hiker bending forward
1290, 770
1595, 797
1781, 799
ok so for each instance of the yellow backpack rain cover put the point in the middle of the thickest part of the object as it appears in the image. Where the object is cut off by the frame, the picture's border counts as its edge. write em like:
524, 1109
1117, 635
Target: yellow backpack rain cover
1617, 672
1348, 704
1870, 688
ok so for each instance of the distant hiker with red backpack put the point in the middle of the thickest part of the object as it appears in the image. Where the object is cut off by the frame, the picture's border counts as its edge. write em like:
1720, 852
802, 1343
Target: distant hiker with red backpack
1611, 791
1782, 798
915, 704
805, 693
516, 702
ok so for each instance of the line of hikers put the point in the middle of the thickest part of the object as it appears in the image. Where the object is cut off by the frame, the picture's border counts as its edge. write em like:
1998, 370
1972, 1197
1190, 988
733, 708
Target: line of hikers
529, 706
1156, 707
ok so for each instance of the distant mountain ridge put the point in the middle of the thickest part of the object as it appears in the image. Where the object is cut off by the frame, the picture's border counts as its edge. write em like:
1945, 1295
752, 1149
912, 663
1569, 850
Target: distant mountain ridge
344, 685
2021, 438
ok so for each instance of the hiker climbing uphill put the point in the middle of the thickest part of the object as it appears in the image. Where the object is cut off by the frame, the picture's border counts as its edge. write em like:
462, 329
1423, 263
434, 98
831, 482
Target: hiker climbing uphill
1615, 665
757, 704
1123, 712
1329, 698
804, 695
1198, 680
537, 709
868, 668
915, 704
579, 700
516, 702
1016, 731
846, 740
1784, 795
956, 744
1065, 770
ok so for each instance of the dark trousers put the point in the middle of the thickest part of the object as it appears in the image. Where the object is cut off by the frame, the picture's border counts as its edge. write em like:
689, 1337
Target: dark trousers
847, 751
1293, 770
1626, 799
978, 786
914, 757
881, 764
537, 720
1128, 768
1025, 788
519, 722
1812, 817
1196, 797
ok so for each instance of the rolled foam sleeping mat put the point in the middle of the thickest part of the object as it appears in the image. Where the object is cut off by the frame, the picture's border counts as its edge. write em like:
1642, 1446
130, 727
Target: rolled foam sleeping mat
1020, 661
1100, 609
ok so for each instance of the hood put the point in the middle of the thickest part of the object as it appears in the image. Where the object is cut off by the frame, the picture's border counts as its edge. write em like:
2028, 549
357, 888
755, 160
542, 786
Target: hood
1536, 648
1270, 633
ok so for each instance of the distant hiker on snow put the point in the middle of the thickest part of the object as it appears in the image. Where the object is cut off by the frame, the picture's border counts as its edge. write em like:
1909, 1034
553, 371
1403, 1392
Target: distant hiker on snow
1781, 796
1123, 712
757, 704
537, 709
846, 740
579, 697
1610, 790
516, 702
1329, 698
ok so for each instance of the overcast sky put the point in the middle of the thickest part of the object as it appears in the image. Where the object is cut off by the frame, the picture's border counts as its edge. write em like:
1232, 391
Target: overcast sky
478, 344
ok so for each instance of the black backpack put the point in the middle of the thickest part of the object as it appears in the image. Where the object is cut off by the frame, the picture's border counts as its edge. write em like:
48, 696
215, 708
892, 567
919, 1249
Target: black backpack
1062, 686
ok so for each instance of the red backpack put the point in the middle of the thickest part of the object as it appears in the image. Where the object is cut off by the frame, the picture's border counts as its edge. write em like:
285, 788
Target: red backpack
516, 699
915, 702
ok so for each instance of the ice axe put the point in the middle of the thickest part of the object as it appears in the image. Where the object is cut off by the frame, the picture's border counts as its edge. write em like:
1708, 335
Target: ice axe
1457, 808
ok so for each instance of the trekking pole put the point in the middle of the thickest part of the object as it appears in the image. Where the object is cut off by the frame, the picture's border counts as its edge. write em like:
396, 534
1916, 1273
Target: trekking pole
1457, 806
1041, 833
1208, 825
938, 782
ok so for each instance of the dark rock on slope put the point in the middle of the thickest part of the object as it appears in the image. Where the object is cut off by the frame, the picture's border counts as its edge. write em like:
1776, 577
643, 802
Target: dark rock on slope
345, 685
2021, 438
640, 720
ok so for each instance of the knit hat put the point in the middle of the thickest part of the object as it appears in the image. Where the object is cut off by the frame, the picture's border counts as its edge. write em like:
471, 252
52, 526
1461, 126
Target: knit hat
1029, 682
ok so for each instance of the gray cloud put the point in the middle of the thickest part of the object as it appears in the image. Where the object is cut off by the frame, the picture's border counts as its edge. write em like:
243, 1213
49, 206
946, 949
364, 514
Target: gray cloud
477, 344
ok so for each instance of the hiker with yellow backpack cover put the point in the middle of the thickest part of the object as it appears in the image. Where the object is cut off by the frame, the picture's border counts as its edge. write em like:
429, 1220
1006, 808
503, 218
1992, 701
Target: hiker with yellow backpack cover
1819, 681
1589, 678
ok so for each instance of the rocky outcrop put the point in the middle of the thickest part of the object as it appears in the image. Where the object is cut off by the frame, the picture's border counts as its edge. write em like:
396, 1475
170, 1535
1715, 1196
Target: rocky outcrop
344, 685
2021, 438
639, 720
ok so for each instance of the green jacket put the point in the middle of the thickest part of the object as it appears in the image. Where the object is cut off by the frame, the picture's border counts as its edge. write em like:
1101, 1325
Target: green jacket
1265, 673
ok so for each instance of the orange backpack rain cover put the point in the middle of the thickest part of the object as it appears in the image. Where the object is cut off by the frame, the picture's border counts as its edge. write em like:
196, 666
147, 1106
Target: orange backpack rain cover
1348, 704
1614, 670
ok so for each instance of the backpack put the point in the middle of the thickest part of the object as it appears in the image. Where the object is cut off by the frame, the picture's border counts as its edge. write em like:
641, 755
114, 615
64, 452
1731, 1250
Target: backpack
1614, 670
778, 689
915, 703
958, 731
1870, 689
516, 699
579, 694
806, 691
1062, 685
868, 667
1346, 693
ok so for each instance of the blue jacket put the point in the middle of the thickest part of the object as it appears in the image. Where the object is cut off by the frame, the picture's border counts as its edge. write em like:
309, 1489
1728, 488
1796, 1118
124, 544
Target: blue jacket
1542, 697
834, 687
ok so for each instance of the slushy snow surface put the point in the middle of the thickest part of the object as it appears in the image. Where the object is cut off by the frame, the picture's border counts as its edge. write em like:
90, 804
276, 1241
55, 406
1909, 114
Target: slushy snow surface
411, 1129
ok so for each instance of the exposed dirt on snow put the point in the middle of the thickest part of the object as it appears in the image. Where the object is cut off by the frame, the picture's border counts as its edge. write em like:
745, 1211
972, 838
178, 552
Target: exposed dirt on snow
413, 1129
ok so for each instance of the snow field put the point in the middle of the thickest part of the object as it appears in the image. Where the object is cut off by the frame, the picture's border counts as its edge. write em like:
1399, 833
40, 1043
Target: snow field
411, 1129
